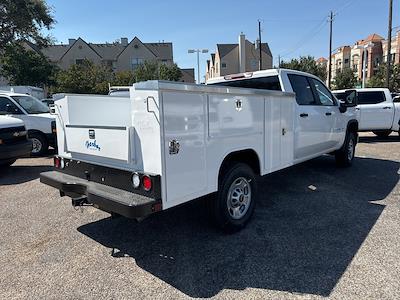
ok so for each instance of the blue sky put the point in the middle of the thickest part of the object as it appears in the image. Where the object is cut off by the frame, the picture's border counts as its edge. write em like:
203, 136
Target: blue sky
291, 27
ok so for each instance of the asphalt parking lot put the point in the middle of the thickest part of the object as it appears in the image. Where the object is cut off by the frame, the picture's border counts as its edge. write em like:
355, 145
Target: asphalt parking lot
340, 241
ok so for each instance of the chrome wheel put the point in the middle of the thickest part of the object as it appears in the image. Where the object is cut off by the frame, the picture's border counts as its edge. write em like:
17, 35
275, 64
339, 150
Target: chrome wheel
239, 198
350, 150
36, 145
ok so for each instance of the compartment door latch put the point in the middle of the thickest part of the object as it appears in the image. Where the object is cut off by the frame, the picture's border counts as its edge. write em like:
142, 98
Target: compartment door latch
173, 147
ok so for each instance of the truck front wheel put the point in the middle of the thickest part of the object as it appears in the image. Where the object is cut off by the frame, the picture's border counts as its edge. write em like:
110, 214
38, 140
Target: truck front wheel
39, 144
345, 155
234, 204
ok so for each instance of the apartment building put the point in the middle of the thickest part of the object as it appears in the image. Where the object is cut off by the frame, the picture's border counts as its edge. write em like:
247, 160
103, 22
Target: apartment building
353, 56
121, 55
237, 58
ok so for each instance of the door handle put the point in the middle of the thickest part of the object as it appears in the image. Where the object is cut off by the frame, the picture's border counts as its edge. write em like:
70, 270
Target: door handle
387, 107
328, 113
357, 108
304, 115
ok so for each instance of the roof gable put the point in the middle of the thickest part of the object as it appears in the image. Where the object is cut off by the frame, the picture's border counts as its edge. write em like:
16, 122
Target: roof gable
224, 49
77, 43
135, 44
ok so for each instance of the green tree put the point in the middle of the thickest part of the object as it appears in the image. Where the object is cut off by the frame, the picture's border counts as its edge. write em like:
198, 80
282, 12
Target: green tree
379, 78
24, 20
123, 78
85, 78
171, 73
151, 70
26, 67
306, 64
345, 79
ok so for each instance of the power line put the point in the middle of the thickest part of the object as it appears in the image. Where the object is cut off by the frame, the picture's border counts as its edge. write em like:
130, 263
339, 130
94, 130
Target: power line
311, 34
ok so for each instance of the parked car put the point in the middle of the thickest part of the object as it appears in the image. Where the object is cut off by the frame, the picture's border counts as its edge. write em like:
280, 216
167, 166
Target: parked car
119, 91
13, 140
379, 112
41, 126
24, 89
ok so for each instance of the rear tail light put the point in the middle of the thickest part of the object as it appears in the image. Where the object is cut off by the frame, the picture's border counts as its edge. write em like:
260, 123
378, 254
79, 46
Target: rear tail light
57, 162
147, 183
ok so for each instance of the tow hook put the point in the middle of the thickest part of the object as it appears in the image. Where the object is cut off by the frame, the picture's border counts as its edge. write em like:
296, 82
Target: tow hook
80, 202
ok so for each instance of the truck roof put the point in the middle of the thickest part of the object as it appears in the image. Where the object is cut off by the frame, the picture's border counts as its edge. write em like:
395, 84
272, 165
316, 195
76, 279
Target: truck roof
8, 93
364, 90
256, 74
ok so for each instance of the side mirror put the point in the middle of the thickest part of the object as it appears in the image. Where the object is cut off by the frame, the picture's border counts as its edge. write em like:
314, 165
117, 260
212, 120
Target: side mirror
396, 99
350, 99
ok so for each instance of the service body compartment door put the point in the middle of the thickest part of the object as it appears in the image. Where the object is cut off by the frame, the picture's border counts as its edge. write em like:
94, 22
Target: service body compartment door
279, 132
184, 146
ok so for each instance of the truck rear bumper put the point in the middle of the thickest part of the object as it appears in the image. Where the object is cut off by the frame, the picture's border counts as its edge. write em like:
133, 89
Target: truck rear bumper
104, 197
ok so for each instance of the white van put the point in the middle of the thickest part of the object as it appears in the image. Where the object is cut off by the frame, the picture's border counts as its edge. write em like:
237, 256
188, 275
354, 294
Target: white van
41, 126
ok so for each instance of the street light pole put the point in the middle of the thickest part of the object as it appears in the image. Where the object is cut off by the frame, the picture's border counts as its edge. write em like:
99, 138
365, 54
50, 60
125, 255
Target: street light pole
389, 41
198, 51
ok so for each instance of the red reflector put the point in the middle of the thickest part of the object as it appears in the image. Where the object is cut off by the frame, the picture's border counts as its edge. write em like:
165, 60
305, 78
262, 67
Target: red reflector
57, 162
146, 183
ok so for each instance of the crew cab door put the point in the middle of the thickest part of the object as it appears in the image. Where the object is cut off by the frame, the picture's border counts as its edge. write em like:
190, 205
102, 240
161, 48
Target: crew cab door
314, 121
375, 109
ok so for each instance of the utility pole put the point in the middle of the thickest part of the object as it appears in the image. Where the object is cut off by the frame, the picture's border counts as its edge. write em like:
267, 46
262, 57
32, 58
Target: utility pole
259, 45
330, 50
389, 45
279, 61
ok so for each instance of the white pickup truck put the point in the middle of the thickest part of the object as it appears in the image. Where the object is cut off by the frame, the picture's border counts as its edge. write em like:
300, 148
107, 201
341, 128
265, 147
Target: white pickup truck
378, 111
170, 143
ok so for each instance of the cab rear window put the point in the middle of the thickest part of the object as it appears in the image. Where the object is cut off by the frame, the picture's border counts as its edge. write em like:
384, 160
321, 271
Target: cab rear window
261, 83
371, 97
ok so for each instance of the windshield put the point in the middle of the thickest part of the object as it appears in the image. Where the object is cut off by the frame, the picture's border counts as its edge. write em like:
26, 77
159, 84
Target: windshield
31, 104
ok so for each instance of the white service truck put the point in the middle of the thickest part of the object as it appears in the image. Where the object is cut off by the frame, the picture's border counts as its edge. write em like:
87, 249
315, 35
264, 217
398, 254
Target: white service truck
170, 143
378, 111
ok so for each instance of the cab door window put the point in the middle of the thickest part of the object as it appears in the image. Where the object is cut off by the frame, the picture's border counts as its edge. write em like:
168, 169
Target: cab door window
322, 93
8, 107
303, 90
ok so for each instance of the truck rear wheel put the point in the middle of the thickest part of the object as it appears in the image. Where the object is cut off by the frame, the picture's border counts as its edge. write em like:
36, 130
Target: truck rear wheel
344, 156
383, 133
234, 204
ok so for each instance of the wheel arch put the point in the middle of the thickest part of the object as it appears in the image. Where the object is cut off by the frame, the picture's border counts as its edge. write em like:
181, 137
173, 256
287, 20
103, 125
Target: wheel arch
352, 126
246, 156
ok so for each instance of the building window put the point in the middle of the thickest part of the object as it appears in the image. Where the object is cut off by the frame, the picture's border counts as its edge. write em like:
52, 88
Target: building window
346, 61
376, 62
223, 65
79, 61
136, 62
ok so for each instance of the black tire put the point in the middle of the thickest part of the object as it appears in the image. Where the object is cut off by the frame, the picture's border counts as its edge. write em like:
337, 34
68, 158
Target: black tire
234, 177
345, 155
7, 163
383, 133
40, 145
